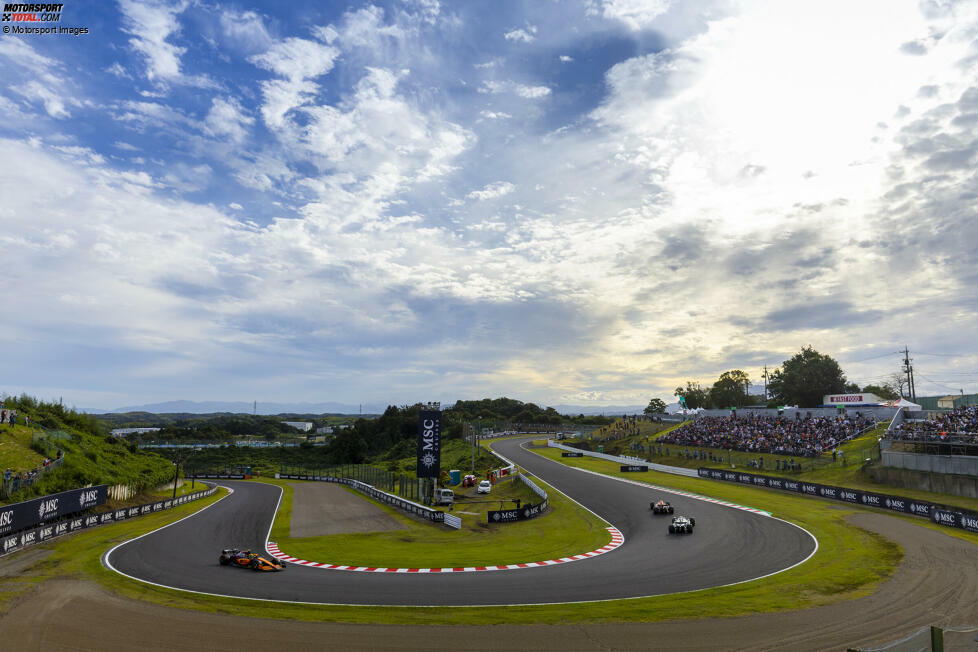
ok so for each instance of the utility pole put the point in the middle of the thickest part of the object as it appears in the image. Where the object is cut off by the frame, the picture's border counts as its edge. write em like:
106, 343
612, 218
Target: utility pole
765, 383
908, 369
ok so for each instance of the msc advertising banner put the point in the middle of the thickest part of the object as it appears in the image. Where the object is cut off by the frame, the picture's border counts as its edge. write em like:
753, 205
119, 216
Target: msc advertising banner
14, 541
31, 513
513, 515
940, 515
429, 443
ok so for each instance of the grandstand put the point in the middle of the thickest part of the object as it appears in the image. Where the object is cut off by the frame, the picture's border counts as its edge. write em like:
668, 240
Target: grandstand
780, 435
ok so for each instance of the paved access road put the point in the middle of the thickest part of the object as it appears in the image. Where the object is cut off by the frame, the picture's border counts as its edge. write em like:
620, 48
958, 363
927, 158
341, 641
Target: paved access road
728, 546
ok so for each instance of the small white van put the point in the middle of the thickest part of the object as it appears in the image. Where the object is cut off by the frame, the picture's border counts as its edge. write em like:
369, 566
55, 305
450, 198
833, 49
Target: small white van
444, 497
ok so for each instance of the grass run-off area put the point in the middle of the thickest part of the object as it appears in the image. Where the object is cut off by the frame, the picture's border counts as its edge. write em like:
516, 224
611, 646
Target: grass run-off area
566, 530
850, 563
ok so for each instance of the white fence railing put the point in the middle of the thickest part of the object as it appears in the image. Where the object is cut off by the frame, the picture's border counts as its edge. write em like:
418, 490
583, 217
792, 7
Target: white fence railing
675, 470
533, 486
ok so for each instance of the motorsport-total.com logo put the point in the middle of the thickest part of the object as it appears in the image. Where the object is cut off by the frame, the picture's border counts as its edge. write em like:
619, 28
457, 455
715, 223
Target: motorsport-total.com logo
32, 12
36, 18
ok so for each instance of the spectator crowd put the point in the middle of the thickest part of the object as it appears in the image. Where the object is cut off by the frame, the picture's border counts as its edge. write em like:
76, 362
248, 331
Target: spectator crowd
959, 425
762, 434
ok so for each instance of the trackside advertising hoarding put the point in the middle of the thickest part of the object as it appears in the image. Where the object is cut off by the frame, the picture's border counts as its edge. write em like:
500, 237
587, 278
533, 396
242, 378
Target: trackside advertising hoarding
429, 443
24, 538
31, 513
513, 515
936, 513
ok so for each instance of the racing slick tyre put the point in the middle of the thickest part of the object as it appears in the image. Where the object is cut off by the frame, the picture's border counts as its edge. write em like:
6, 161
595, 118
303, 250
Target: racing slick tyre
223, 561
692, 522
254, 565
672, 529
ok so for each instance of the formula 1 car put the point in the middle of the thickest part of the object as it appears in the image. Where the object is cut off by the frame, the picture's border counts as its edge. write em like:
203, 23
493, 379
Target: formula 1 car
661, 507
248, 559
681, 525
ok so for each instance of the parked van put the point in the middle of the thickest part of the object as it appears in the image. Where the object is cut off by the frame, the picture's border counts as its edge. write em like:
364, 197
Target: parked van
444, 497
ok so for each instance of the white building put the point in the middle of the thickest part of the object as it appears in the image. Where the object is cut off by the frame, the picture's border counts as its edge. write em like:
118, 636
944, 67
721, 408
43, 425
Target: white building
304, 426
121, 432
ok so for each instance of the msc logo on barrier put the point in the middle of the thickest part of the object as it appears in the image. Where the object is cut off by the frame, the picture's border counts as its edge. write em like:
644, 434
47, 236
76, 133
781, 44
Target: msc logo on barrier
87, 498
6, 518
47, 507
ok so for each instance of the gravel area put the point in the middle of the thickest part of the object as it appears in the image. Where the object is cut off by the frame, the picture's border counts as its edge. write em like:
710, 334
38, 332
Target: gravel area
322, 508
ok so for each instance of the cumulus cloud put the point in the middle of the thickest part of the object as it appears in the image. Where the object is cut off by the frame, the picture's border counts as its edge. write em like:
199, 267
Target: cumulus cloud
226, 118
152, 24
38, 79
527, 35
635, 14
492, 191
523, 90
716, 170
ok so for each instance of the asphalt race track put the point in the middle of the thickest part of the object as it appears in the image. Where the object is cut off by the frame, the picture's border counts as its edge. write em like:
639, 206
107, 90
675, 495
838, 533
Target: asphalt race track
728, 546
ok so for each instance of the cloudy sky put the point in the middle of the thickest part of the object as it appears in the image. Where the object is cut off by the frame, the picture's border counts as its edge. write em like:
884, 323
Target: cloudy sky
584, 202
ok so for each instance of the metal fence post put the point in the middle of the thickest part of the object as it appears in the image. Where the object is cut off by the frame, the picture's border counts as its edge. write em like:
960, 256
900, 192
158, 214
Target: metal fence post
936, 639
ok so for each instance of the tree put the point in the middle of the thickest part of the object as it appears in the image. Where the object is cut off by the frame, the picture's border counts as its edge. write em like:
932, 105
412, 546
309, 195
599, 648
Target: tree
695, 396
655, 406
805, 378
730, 389
883, 391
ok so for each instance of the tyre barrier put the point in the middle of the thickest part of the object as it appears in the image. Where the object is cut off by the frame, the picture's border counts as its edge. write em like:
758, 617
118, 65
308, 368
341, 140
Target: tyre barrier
940, 514
25, 538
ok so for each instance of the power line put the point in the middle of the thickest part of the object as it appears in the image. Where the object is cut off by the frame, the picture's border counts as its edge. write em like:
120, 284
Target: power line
882, 355
939, 384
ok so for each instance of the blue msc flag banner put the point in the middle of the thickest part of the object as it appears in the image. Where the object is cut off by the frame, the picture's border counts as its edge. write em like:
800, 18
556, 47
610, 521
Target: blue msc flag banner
429, 443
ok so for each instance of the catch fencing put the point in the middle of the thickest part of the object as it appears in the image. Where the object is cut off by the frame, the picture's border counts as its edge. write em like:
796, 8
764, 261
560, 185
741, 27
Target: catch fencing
382, 496
935, 639
34, 535
403, 485
940, 514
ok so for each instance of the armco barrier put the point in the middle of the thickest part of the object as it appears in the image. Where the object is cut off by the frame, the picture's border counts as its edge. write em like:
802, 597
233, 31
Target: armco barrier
384, 497
29, 537
940, 514
676, 470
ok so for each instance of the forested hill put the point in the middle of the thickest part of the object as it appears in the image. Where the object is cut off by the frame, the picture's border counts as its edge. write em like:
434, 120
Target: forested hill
510, 409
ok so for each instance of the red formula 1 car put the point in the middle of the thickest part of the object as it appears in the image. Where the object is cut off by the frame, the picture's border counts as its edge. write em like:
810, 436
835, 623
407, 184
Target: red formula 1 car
248, 559
661, 507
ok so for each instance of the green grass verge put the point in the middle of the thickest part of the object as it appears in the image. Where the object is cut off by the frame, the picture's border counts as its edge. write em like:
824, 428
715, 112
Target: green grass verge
850, 563
850, 474
566, 530
15, 449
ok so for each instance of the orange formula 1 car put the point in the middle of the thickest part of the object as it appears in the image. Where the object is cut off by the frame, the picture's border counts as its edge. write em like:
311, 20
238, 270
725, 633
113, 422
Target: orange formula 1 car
248, 559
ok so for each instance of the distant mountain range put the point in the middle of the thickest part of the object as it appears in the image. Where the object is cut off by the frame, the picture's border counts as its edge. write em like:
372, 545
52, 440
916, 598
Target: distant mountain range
242, 407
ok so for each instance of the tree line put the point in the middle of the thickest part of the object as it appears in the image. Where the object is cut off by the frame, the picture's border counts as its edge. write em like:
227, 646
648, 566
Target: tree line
802, 380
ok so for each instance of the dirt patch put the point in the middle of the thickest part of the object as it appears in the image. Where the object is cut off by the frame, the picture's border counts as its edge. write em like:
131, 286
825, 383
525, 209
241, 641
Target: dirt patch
322, 508
934, 585
16, 565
